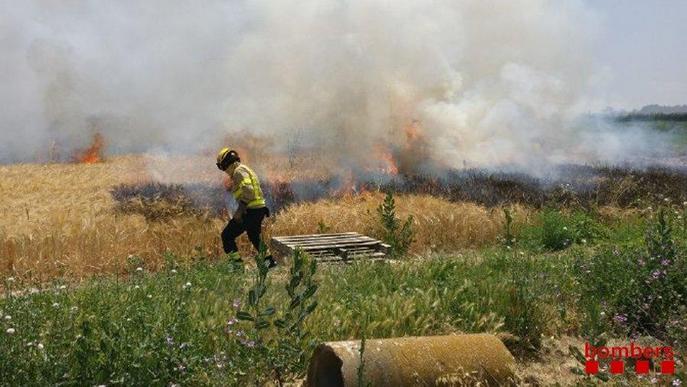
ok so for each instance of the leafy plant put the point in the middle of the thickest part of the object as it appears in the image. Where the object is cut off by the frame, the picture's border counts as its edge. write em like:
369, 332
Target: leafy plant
281, 341
398, 236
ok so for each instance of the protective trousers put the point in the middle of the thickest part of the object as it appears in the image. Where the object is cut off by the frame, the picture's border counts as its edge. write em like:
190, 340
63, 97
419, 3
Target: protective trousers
251, 223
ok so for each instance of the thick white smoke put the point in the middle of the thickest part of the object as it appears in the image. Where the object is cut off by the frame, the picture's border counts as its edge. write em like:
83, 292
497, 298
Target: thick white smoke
490, 82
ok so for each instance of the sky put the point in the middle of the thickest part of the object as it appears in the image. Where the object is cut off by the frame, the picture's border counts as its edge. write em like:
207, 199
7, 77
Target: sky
642, 47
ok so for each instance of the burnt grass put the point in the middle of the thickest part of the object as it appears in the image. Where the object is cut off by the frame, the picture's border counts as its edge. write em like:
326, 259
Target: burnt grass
574, 186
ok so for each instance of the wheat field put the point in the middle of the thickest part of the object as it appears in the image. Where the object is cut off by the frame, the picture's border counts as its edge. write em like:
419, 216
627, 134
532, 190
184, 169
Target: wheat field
60, 220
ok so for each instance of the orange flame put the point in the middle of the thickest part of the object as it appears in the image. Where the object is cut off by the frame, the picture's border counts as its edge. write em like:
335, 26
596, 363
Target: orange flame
389, 165
94, 153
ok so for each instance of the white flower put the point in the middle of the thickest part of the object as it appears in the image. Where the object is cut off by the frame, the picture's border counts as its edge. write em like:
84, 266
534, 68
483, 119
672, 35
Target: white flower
139, 269
137, 287
63, 287
565, 228
187, 285
10, 279
40, 346
8, 317
173, 271
10, 331
149, 296
55, 305
74, 308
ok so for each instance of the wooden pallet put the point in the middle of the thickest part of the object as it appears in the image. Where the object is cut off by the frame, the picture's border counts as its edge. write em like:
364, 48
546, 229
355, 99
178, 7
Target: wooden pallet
334, 248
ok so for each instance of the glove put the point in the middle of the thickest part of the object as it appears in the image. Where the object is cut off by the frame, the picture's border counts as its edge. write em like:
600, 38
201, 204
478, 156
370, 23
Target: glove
240, 211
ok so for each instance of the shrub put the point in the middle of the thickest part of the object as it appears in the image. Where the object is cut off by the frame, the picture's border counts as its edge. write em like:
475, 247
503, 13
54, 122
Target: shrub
639, 290
398, 236
557, 230
555, 233
279, 342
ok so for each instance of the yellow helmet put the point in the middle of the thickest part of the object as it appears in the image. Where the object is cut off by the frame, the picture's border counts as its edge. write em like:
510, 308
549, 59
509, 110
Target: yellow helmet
226, 157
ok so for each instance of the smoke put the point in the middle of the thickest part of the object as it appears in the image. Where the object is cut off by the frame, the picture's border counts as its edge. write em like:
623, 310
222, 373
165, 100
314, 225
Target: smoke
488, 83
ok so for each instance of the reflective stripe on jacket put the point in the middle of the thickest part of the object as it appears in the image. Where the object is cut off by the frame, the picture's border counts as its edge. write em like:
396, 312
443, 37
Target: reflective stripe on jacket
247, 187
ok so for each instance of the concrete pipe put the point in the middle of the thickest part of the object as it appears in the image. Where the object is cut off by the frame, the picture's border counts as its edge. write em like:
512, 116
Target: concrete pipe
453, 360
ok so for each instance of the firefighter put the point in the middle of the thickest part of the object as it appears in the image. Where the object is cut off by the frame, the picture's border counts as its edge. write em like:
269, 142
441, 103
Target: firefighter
251, 211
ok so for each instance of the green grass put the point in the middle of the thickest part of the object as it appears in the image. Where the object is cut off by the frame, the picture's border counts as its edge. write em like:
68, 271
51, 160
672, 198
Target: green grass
171, 326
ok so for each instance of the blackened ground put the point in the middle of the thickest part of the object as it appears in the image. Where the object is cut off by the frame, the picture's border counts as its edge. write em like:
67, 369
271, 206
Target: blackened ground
566, 186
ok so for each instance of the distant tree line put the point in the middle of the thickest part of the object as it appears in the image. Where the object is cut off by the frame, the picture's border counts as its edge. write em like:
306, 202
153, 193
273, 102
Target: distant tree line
631, 117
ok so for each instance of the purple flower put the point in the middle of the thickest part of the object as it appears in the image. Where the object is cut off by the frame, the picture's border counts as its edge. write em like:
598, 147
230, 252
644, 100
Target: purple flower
236, 304
232, 321
620, 319
656, 274
677, 382
665, 262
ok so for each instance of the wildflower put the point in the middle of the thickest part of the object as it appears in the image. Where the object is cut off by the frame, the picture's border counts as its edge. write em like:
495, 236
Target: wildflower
173, 271
666, 200
665, 262
10, 331
620, 319
642, 262
677, 382
236, 304
602, 313
169, 340
149, 296
522, 253
584, 241
56, 305
565, 228
10, 279
8, 317
232, 321
656, 274
137, 287
40, 346
62, 287
139, 269
186, 285
250, 344
654, 380
74, 308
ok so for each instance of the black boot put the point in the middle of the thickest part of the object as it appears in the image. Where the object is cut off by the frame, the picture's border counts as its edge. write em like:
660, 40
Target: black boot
270, 262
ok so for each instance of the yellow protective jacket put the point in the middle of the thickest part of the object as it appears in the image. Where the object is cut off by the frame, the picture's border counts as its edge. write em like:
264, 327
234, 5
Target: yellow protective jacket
246, 186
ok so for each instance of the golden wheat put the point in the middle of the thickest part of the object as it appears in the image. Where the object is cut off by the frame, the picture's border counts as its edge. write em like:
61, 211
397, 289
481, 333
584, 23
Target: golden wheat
59, 220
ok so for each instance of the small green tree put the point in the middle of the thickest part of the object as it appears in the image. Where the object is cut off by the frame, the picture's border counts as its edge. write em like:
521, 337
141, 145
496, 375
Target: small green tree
398, 236
281, 341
